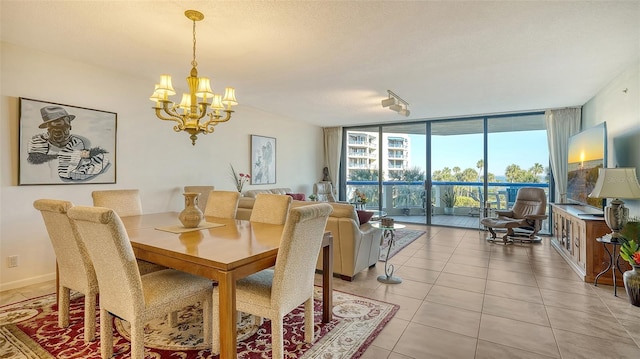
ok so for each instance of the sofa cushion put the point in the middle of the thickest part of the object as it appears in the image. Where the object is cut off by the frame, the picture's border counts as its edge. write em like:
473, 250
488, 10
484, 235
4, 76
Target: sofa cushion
364, 216
254, 192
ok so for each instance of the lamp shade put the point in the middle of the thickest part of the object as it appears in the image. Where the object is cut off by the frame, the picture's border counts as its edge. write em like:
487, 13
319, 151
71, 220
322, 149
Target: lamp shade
616, 183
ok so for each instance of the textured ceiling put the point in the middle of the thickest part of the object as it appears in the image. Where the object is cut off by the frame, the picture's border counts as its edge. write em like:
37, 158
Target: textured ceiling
330, 63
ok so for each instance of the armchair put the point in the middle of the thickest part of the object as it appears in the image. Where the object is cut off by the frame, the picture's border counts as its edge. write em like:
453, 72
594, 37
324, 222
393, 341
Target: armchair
524, 220
324, 191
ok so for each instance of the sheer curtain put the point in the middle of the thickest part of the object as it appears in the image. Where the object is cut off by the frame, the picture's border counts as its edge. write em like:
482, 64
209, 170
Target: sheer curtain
561, 124
332, 153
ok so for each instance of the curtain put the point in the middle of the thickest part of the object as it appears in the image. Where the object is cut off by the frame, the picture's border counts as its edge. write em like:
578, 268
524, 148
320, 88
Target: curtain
561, 124
332, 153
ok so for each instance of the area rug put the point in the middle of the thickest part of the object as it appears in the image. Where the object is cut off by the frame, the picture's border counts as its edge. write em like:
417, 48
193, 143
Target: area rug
403, 237
29, 329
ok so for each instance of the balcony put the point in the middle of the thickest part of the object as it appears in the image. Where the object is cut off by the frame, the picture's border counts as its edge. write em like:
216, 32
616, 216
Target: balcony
406, 201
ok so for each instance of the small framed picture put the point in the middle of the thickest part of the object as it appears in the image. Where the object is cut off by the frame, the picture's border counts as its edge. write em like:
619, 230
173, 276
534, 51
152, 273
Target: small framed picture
64, 144
263, 160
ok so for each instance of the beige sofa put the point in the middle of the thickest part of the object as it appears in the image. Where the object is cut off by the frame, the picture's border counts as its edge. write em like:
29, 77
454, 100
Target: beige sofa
355, 247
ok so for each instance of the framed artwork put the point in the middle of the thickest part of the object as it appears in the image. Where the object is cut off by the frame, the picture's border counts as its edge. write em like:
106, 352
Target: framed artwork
64, 144
263, 160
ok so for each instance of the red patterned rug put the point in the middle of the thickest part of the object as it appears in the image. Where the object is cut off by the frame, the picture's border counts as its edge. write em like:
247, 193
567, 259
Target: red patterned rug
29, 329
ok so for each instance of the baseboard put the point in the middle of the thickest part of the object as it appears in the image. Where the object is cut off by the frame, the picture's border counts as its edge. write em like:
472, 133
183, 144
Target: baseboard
27, 282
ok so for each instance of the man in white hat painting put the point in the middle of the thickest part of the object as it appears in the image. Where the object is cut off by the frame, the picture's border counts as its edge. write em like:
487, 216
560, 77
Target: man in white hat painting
75, 162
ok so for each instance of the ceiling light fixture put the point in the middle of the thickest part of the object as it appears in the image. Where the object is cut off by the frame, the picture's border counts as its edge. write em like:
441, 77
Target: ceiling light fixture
397, 104
189, 112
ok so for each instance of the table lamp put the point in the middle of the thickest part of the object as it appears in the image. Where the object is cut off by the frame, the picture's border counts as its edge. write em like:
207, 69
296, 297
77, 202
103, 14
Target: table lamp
616, 183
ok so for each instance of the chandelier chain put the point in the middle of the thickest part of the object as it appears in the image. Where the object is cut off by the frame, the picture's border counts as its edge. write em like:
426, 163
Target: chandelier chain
194, 63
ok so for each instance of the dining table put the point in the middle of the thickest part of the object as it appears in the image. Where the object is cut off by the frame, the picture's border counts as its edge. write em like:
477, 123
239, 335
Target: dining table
223, 250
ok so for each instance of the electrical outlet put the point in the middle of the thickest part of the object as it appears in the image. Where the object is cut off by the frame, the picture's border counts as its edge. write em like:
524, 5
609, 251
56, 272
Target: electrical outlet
13, 261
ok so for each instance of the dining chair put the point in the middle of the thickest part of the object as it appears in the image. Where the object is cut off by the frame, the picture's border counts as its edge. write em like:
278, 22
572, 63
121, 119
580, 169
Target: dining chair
125, 202
204, 194
271, 208
274, 293
126, 294
75, 270
222, 204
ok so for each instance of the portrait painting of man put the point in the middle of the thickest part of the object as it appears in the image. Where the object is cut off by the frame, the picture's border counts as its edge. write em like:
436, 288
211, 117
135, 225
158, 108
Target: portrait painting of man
62, 144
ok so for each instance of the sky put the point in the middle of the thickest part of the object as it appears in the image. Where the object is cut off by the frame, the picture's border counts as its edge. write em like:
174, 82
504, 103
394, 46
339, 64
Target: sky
464, 151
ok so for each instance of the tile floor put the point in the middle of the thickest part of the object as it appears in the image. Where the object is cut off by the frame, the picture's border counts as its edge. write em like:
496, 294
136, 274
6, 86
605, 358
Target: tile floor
462, 297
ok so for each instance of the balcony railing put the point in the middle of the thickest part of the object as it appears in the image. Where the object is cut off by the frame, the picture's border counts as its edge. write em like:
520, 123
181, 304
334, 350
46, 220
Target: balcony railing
400, 198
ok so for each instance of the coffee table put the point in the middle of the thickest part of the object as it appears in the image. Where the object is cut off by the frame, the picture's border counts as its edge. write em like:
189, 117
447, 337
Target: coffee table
388, 232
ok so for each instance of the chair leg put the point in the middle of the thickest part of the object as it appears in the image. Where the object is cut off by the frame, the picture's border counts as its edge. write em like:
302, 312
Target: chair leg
63, 306
89, 317
137, 339
106, 334
172, 319
308, 320
277, 342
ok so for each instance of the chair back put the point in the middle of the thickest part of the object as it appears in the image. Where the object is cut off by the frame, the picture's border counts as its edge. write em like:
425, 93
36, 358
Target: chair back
530, 200
125, 202
74, 264
223, 204
298, 253
324, 191
271, 208
204, 194
107, 242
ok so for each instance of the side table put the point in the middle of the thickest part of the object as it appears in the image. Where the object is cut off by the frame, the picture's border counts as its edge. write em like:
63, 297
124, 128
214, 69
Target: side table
614, 256
388, 233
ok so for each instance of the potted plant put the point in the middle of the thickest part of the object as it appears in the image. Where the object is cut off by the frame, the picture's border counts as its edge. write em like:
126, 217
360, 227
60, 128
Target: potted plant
448, 200
630, 251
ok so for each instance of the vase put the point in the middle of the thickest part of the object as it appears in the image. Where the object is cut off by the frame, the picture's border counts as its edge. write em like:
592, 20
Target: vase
191, 215
631, 280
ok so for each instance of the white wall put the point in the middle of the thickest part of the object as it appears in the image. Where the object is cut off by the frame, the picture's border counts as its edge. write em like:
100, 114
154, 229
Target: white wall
150, 155
618, 104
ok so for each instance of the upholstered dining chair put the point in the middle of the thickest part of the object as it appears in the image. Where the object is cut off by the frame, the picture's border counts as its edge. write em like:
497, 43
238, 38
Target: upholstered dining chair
222, 204
204, 194
271, 208
524, 220
125, 202
323, 191
75, 270
274, 293
124, 293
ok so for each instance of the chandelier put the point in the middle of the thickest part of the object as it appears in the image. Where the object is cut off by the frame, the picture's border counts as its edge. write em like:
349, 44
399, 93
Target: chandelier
193, 108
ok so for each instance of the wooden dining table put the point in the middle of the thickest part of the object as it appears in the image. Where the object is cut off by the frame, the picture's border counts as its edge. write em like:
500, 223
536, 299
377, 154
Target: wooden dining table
225, 253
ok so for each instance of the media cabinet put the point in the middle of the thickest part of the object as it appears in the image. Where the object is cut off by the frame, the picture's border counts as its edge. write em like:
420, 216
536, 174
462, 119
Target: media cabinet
575, 229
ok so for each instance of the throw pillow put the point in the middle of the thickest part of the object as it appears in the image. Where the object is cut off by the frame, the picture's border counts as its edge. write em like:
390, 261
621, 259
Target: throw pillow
364, 216
297, 196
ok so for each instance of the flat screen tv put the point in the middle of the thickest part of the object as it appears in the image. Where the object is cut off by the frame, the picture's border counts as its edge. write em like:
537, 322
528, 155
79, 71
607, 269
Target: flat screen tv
587, 153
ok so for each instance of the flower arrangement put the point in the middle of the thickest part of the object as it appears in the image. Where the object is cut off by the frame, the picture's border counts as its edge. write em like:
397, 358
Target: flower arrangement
630, 252
239, 178
312, 197
360, 197
630, 247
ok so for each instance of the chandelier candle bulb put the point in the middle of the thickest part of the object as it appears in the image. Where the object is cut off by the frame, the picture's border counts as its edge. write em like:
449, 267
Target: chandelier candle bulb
192, 111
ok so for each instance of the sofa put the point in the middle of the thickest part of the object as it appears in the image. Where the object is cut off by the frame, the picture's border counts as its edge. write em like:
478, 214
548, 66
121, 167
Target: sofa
355, 247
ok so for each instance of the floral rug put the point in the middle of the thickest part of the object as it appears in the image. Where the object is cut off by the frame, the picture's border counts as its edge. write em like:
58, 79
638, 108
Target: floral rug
403, 237
29, 329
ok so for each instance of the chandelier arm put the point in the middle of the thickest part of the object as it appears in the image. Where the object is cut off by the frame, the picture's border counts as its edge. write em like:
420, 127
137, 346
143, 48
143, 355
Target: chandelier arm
214, 120
164, 118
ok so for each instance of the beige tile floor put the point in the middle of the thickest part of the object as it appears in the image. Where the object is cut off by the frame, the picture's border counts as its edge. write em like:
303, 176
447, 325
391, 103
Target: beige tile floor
462, 297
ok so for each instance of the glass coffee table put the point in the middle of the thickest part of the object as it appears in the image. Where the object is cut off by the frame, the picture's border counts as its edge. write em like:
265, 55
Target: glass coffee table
388, 233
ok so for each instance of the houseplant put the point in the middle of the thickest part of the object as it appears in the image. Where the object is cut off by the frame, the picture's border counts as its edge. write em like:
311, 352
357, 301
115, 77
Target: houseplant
630, 251
448, 200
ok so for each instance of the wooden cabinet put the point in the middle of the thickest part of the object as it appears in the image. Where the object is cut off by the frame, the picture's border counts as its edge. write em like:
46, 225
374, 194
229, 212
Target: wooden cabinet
575, 230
